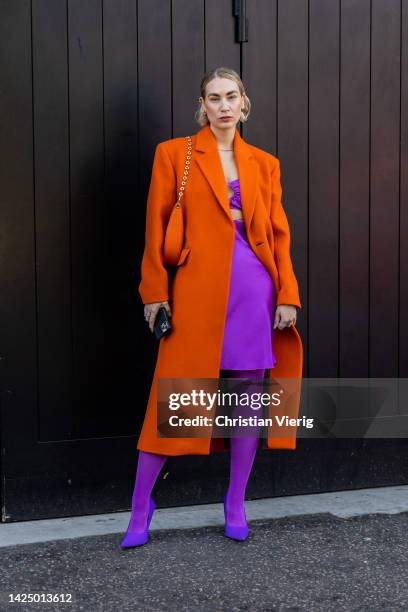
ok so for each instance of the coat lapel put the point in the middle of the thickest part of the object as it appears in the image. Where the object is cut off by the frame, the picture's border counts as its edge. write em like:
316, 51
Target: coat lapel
209, 161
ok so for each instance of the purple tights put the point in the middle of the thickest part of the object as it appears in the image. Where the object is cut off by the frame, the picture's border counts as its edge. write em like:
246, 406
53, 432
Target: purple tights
242, 455
242, 451
148, 469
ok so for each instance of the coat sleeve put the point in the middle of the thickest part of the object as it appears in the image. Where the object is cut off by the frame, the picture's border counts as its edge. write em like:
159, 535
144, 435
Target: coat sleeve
288, 293
161, 198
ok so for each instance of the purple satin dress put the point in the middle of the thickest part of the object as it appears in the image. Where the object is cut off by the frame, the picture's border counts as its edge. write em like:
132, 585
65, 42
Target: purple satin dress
247, 342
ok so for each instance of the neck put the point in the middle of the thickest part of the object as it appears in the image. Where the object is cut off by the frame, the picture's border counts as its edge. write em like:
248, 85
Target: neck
224, 138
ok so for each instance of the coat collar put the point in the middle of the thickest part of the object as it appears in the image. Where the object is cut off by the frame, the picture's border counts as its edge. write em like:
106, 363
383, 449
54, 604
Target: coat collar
209, 160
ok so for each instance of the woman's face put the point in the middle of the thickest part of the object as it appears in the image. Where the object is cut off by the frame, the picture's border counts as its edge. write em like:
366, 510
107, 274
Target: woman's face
223, 102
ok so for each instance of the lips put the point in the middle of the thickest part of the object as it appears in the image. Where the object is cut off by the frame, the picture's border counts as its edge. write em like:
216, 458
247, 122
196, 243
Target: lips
226, 117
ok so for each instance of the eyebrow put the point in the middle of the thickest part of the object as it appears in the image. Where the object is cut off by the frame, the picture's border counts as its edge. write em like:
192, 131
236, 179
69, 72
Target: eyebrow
228, 93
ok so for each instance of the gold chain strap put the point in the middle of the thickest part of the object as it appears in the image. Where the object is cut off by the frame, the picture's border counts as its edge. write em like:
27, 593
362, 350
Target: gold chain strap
184, 180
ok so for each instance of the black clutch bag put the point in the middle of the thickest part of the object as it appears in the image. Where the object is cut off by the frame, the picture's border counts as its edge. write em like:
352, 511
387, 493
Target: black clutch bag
162, 323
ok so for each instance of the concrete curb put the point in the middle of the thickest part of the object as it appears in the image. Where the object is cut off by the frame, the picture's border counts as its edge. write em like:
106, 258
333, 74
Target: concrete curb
343, 504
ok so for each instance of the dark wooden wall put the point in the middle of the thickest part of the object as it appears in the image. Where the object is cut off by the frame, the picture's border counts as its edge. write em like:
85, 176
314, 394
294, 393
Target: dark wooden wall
88, 88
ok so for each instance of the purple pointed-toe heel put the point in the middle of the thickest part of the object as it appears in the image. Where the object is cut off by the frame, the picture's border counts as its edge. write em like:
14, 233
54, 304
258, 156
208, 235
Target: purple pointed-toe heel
235, 532
141, 537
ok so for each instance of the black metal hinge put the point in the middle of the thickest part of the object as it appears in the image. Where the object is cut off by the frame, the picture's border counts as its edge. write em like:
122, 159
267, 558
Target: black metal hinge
241, 21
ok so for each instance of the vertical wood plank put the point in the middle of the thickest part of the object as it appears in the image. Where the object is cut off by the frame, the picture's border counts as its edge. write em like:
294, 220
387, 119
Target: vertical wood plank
188, 63
292, 143
354, 188
260, 77
19, 365
89, 221
403, 232
384, 231
154, 79
125, 213
52, 226
220, 46
323, 187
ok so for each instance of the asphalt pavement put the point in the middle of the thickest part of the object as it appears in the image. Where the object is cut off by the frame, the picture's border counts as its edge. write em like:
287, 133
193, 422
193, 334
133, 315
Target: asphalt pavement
345, 558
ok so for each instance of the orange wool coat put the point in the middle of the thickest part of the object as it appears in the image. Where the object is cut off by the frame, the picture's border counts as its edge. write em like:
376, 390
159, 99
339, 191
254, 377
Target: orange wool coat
198, 293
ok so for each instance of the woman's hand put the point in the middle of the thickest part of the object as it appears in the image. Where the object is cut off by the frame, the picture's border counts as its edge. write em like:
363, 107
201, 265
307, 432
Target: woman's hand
285, 316
150, 312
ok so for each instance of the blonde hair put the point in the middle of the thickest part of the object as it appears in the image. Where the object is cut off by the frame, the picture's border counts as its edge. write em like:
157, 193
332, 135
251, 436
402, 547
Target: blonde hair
227, 73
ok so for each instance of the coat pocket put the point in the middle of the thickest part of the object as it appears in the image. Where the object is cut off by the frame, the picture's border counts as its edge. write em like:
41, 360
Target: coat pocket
183, 256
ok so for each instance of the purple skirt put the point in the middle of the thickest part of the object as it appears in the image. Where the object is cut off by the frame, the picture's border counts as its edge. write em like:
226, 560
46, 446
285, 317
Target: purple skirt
247, 342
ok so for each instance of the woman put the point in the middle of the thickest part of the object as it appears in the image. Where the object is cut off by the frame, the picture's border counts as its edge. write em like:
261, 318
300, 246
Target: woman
234, 283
